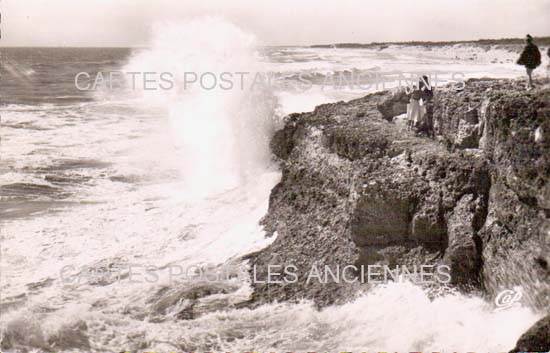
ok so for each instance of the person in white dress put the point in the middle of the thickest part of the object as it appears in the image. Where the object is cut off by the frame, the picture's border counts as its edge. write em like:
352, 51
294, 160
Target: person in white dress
414, 111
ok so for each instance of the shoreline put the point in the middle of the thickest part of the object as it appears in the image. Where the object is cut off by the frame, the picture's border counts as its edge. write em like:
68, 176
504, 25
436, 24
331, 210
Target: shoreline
542, 41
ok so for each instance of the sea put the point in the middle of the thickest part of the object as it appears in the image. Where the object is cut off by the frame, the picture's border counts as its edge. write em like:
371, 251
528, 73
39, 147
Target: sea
109, 194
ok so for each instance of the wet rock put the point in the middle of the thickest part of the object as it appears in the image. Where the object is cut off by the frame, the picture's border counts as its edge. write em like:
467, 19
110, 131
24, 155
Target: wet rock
536, 339
282, 142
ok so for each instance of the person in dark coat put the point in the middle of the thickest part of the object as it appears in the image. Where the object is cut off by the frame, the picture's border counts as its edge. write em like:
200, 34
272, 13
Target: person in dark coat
427, 95
530, 58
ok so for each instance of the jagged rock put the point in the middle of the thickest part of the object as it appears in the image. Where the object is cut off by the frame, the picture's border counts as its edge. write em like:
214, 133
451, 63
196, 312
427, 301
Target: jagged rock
395, 105
514, 236
462, 254
281, 143
428, 225
466, 123
467, 135
358, 189
536, 339
543, 198
471, 116
381, 217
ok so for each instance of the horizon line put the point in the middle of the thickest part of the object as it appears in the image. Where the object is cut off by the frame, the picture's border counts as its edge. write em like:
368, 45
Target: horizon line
409, 42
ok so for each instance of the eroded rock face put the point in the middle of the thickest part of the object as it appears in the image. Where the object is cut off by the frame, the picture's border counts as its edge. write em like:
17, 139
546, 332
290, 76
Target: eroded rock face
463, 253
395, 105
370, 223
359, 190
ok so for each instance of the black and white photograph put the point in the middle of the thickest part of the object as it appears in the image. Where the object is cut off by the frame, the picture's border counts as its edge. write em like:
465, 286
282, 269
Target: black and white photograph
329, 176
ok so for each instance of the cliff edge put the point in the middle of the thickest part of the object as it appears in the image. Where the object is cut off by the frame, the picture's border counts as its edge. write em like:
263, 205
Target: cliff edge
357, 188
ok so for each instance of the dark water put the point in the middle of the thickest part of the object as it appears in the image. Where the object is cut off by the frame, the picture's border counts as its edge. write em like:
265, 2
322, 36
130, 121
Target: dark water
46, 75
46, 123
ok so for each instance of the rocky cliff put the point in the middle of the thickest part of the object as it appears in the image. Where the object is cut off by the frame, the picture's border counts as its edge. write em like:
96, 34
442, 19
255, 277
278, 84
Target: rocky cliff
358, 188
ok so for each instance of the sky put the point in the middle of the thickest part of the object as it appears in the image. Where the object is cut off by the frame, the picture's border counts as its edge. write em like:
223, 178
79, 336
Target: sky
127, 23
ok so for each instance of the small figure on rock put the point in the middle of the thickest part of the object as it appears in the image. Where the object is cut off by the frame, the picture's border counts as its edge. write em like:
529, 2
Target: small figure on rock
530, 58
427, 95
414, 112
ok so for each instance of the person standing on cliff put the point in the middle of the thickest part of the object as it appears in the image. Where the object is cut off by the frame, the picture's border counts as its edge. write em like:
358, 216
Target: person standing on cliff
427, 95
530, 58
414, 111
